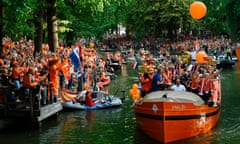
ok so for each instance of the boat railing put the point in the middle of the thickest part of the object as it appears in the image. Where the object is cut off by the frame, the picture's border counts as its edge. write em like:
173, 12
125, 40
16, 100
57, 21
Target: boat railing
31, 100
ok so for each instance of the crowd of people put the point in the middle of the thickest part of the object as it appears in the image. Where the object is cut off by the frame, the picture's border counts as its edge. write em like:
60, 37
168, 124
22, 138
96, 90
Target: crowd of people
171, 64
179, 73
45, 73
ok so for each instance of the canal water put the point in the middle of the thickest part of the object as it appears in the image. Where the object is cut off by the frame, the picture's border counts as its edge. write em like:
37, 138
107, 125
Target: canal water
117, 125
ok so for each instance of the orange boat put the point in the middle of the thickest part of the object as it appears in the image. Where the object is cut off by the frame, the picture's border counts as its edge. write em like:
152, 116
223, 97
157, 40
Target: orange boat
169, 116
238, 52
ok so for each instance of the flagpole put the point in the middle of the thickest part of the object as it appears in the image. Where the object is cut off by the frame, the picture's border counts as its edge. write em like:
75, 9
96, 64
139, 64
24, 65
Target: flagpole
80, 79
80, 84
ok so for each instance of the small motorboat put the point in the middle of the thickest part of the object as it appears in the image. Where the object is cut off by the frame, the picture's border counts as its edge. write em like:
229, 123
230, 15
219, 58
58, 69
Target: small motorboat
116, 65
169, 116
100, 100
224, 62
106, 50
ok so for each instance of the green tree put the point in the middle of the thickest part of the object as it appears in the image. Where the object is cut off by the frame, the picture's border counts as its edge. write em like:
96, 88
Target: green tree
233, 16
1, 24
52, 24
38, 23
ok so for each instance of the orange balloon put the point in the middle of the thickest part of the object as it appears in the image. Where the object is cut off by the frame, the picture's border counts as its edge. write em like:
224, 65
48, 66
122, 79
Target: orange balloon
136, 97
134, 86
135, 94
131, 92
201, 57
91, 45
198, 10
136, 91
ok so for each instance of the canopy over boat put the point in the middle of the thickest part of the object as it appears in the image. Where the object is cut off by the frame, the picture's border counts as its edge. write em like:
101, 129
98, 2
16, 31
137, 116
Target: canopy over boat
173, 96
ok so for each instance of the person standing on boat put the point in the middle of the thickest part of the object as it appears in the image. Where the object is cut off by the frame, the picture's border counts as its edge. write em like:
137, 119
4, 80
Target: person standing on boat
167, 78
30, 84
54, 69
157, 81
104, 82
229, 52
178, 86
146, 83
16, 75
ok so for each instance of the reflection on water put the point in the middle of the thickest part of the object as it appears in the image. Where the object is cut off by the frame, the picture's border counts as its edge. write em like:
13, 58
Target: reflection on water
117, 125
83, 127
238, 66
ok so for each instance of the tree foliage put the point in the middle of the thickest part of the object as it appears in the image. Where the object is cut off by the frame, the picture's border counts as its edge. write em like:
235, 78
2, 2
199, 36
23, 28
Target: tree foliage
86, 18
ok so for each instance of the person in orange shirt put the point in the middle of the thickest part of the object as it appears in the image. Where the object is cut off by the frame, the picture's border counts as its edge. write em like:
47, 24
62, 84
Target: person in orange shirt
146, 84
195, 82
54, 78
29, 83
167, 77
29, 78
208, 86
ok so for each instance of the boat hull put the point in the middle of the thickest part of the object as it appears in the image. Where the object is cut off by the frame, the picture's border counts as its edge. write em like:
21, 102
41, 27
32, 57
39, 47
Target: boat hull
169, 116
225, 64
238, 53
115, 102
169, 121
101, 101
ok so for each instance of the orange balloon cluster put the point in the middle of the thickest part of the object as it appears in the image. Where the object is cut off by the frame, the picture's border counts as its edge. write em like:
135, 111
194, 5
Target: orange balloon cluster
198, 10
135, 92
201, 57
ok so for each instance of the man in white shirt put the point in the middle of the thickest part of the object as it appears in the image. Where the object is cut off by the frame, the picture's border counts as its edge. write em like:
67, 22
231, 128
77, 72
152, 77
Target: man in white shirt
178, 86
193, 55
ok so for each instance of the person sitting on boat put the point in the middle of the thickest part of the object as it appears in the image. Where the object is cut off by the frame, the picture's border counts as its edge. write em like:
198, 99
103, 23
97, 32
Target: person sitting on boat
157, 81
178, 86
89, 100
